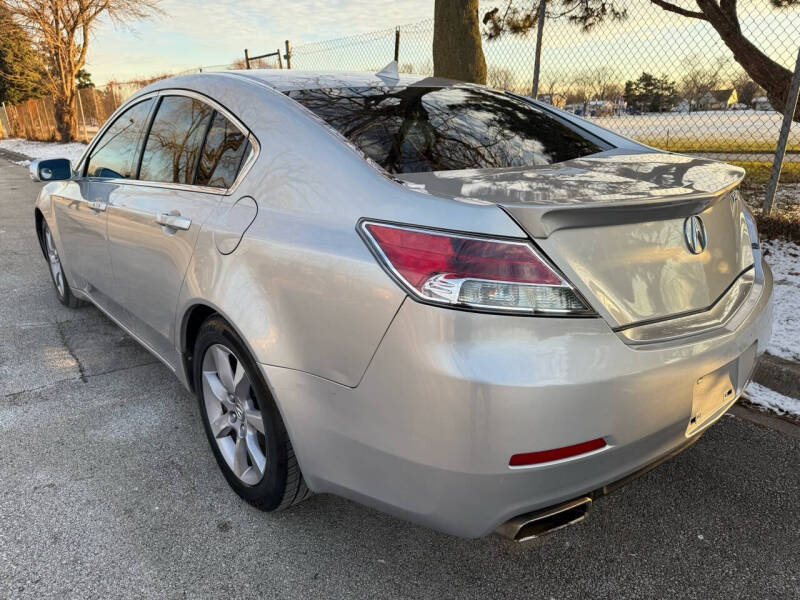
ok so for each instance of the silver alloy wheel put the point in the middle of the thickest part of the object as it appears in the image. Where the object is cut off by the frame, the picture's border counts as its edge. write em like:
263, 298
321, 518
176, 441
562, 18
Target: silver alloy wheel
54, 261
235, 418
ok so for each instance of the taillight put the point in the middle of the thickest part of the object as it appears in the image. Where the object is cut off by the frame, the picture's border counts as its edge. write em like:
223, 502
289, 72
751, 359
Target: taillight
469, 271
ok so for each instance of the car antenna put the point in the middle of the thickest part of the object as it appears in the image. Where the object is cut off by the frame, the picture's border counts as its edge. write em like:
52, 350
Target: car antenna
389, 71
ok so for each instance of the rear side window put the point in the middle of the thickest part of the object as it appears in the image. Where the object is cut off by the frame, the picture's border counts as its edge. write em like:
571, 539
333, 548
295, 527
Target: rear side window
113, 156
223, 153
175, 140
419, 129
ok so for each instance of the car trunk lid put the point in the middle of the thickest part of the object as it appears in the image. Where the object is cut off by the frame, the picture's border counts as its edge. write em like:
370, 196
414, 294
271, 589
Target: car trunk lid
616, 225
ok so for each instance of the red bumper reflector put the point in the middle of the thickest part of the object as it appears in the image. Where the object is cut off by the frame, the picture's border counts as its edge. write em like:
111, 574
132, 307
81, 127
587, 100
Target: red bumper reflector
535, 458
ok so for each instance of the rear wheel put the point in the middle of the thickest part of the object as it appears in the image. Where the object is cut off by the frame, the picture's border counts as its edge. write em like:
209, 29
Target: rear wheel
57, 274
242, 422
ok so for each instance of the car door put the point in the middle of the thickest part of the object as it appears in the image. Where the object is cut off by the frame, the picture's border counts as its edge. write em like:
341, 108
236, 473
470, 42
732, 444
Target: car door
153, 223
80, 207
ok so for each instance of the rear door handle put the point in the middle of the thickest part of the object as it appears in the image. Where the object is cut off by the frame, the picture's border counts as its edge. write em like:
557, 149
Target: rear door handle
98, 205
173, 220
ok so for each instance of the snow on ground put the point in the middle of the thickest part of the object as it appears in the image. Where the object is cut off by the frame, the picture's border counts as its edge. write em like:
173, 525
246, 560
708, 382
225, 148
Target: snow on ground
734, 127
772, 400
784, 259
72, 151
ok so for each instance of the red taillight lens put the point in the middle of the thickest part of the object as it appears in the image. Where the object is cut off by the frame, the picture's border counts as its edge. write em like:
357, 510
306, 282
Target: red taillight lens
418, 256
465, 270
544, 456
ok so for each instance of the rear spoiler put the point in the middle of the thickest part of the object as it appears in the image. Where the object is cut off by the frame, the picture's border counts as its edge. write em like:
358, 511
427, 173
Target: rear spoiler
541, 221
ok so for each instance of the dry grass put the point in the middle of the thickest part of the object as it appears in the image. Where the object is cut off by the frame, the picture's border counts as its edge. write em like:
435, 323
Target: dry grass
758, 171
782, 222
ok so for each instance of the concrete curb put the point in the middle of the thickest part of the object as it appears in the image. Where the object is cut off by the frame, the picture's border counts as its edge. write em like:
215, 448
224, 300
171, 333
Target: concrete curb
778, 374
765, 419
13, 156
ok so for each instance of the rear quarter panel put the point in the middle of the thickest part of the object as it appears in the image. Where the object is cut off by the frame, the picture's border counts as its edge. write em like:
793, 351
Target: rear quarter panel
302, 287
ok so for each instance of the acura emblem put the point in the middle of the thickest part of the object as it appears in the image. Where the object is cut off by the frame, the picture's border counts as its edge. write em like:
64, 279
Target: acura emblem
695, 233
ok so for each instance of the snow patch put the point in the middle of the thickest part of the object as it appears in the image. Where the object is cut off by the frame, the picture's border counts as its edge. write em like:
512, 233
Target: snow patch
771, 400
783, 258
34, 150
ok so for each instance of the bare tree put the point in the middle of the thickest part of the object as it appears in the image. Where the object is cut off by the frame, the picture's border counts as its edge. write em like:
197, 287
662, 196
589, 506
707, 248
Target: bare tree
701, 80
60, 30
601, 83
578, 94
551, 83
457, 50
746, 88
501, 79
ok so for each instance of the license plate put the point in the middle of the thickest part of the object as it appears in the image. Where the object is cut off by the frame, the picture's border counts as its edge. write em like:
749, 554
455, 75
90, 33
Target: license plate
715, 391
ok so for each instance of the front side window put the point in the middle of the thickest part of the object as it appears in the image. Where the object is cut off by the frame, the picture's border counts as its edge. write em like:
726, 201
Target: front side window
114, 154
175, 140
223, 153
418, 129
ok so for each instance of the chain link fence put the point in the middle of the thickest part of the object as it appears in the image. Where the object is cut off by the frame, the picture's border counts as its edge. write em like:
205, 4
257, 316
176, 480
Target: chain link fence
660, 78
704, 103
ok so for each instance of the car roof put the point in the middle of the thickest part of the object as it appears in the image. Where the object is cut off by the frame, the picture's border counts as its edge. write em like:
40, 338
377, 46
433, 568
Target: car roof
285, 80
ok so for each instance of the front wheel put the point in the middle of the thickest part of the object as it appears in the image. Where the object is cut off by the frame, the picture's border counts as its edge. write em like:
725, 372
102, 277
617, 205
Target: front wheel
242, 422
63, 291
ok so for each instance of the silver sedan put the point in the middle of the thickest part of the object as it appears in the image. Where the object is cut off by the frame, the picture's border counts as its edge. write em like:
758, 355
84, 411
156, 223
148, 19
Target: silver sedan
453, 303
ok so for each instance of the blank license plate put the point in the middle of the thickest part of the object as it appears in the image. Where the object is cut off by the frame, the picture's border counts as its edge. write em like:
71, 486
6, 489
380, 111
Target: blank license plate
716, 390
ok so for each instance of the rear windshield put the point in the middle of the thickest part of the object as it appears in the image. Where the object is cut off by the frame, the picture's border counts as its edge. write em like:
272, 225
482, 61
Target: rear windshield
420, 129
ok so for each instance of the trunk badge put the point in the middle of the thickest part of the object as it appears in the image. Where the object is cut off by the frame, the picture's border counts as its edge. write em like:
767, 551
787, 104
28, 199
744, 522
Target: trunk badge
695, 233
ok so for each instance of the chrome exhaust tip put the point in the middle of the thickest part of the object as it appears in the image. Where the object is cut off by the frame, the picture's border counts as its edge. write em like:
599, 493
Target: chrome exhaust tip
539, 523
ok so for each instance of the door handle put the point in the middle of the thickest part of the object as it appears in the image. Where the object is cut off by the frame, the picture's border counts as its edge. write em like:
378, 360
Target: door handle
98, 205
173, 220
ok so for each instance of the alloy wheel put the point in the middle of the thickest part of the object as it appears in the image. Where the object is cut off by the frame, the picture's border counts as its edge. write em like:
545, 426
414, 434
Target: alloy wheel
54, 261
233, 413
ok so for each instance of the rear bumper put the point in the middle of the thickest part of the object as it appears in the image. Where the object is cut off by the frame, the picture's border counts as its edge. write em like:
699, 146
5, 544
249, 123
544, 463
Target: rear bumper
450, 396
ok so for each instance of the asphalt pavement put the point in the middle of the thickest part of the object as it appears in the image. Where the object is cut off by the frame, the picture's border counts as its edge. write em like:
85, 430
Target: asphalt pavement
109, 490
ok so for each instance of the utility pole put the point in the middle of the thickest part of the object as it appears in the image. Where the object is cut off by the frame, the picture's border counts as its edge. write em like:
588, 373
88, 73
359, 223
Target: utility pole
288, 55
538, 59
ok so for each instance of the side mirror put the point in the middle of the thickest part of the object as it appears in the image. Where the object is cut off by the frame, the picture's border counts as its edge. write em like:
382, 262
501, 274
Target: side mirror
52, 169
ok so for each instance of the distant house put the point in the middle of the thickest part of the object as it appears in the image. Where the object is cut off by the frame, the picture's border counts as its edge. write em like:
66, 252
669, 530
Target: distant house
682, 107
557, 100
718, 100
761, 103
599, 108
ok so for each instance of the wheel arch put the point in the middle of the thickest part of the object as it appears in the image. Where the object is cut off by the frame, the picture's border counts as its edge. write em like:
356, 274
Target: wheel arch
39, 220
192, 319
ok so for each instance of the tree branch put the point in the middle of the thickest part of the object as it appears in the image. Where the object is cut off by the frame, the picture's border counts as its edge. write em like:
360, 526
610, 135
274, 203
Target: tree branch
679, 11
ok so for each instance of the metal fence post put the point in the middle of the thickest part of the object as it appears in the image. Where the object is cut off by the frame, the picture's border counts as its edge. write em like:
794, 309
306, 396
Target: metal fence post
538, 59
83, 117
97, 117
397, 45
783, 137
288, 55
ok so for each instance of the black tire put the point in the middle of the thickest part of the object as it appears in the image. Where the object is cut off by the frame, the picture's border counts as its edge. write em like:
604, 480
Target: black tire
282, 484
63, 290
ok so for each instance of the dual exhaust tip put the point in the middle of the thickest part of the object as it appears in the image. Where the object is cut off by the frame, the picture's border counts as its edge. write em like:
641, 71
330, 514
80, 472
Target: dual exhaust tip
539, 523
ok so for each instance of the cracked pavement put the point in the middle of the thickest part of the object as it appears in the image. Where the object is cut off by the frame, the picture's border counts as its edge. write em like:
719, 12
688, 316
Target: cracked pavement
108, 489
